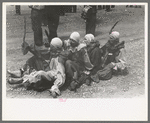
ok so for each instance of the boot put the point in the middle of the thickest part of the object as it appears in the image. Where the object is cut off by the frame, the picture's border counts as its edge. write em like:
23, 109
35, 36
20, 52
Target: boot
54, 91
53, 94
15, 74
95, 78
15, 80
73, 85
88, 82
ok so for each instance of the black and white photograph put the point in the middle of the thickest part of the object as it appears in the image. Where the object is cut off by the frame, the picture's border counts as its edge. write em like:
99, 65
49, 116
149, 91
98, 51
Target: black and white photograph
74, 56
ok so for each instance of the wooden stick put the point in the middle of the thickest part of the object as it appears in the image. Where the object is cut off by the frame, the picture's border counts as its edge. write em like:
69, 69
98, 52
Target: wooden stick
113, 27
24, 29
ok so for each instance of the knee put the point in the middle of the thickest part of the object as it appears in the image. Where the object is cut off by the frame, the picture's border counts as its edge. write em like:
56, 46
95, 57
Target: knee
68, 63
41, 72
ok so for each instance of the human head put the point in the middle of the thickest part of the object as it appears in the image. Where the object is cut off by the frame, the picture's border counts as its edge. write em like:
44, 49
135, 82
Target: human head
89, 38
56, 46
74, 39
114, 37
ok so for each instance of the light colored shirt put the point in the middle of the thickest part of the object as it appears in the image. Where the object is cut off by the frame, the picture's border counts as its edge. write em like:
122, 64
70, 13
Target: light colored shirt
121, 58
57, 73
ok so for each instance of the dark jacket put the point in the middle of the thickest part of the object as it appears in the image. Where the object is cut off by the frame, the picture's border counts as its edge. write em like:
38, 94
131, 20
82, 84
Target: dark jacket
95, 55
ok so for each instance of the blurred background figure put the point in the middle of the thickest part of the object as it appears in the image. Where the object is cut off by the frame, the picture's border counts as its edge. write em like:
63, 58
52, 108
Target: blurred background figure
17, 7
108, 8
135, 6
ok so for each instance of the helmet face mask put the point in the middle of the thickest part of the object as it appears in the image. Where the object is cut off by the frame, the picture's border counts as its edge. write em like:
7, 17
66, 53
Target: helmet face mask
74, 39
89, 39
86, 41
55, 47
113, 41
114, 38
54, 52
73, 43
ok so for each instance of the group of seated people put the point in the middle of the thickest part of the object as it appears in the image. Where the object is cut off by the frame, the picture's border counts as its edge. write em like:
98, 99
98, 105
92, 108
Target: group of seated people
71, 63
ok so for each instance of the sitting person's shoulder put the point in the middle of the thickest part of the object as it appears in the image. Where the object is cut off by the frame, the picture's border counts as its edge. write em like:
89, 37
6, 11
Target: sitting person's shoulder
81, 46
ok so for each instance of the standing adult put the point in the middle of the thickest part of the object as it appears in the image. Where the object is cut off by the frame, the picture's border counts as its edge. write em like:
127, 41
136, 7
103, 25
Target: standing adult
90, 18
52, 15
44, 15
108, 8
17, 7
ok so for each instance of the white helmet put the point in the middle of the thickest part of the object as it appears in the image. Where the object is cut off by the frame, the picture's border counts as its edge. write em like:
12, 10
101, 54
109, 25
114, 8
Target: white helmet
75, 36
56, 42
114, 35
89, 37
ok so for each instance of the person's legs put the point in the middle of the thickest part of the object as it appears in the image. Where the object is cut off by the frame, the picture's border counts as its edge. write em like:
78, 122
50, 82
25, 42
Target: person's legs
91, 24
53, 22
71, 68
108, 8
74, 9
103, 74
18, 9
15, 80
31, 63
72, 73
36, 19
95, 56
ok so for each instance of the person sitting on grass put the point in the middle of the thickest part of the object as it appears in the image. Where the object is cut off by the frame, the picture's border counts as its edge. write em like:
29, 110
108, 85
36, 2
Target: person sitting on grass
114, 60
94, 52
54, 78
39, 61
78, 61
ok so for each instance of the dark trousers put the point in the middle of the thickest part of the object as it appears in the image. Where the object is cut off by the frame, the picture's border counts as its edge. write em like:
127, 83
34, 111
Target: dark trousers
36, 18
103, 74
74, 9
95, 58
72, 68
46, 17
91, 24
108, 7
18, 9
53, 22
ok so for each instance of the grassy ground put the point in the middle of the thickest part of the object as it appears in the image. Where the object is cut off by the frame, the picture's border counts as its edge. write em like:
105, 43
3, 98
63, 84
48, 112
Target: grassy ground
131, 29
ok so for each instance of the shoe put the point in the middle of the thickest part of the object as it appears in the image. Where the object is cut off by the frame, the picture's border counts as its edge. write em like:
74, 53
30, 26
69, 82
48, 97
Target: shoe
73, 85
95, 78
54, 91
27, 85
15, 74
88, 82
125, 72
15, 80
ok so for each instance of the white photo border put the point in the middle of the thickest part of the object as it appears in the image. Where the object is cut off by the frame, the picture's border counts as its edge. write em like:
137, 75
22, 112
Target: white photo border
73, 109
